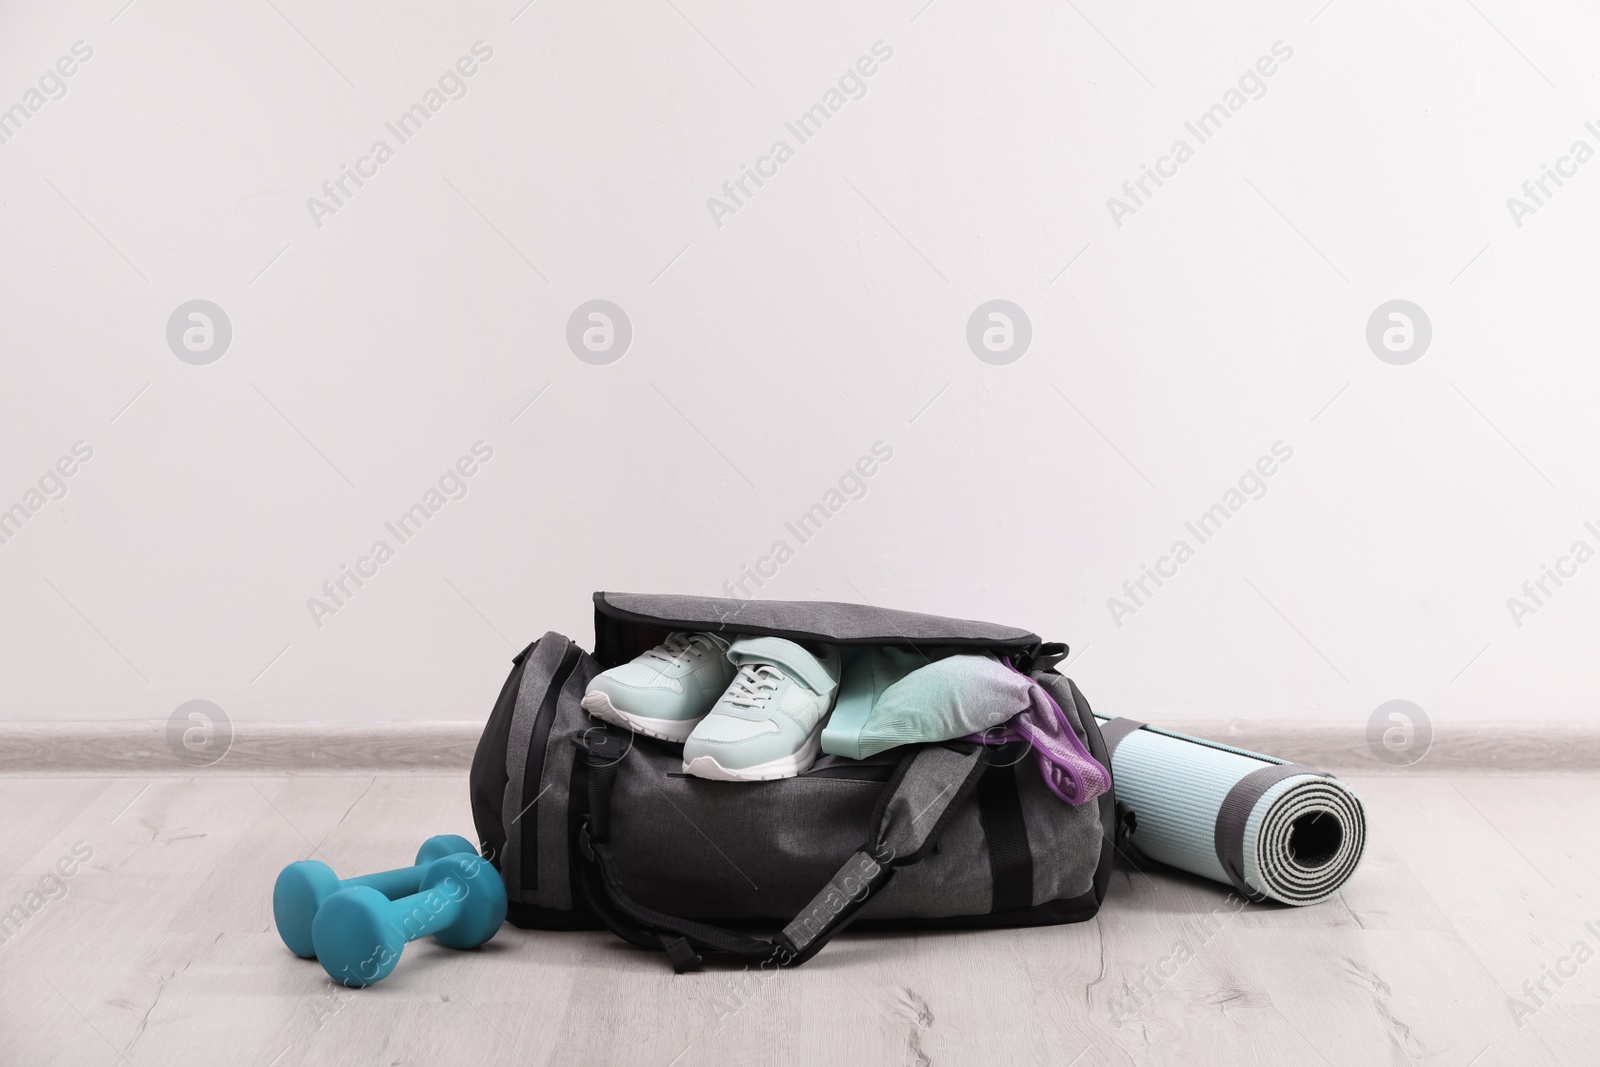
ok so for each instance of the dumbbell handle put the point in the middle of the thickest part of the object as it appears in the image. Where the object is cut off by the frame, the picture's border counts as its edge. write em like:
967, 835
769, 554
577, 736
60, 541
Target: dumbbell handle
429, 911
403, 881
393, 884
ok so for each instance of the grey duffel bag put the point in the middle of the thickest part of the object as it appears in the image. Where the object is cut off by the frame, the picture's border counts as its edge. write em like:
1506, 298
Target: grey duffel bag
593, 827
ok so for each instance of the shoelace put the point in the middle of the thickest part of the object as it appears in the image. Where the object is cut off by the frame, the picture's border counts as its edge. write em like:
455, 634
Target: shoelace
675, 648
754, 685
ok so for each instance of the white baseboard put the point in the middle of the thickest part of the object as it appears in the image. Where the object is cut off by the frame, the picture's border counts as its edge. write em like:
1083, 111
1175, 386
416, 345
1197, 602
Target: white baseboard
141, 747
314, 748
1457, 748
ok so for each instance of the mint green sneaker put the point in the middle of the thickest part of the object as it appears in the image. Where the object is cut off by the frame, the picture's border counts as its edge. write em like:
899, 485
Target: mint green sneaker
769, 722
664, 692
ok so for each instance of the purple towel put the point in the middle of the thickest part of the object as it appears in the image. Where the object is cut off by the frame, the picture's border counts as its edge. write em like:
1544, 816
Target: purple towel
1068, 769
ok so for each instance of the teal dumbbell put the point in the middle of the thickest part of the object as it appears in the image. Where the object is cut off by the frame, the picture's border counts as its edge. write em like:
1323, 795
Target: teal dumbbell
302, 888
359, 933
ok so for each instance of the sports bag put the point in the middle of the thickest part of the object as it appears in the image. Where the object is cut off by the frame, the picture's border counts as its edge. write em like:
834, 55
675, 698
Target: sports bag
594, 827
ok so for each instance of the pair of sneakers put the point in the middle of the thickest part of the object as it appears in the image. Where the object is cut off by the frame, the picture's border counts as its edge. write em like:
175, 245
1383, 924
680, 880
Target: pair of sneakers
747, 711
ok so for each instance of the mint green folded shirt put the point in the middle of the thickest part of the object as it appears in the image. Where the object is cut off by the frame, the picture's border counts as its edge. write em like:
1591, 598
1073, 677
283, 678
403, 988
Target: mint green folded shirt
868, 673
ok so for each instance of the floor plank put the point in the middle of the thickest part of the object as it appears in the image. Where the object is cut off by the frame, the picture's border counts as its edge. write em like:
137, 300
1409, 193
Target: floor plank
162, 950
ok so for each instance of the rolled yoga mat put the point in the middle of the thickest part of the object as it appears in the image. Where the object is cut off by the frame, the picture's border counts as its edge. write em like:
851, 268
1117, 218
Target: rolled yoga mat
1273, 830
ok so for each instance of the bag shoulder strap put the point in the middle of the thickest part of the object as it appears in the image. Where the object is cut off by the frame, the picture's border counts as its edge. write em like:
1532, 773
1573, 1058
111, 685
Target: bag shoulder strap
927, 789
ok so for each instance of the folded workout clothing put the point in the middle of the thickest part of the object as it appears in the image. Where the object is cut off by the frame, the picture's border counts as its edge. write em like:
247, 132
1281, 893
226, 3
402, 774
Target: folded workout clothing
890, 697
868, 674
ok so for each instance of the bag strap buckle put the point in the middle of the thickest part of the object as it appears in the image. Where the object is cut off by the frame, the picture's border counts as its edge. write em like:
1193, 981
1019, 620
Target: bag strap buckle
603, 746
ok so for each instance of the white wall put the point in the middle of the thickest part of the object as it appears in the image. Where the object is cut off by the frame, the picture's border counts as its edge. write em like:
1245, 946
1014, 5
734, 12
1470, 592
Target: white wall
827, 313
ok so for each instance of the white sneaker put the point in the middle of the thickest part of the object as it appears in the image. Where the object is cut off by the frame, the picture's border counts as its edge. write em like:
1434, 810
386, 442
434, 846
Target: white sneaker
664, 692
769, 722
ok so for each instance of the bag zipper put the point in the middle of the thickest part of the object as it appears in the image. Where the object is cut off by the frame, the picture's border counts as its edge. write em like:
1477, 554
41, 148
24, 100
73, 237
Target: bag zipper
852, 772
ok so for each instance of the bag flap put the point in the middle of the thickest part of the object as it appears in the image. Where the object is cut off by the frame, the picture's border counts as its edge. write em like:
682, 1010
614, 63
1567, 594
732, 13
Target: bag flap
619, 618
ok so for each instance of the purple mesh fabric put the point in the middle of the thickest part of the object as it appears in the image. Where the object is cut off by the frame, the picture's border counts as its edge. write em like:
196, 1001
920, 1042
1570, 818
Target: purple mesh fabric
1068, 769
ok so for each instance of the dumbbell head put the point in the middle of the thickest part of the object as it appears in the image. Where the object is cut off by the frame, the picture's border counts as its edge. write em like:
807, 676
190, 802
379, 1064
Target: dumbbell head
442, 845
302, 888
483, 908
359, 933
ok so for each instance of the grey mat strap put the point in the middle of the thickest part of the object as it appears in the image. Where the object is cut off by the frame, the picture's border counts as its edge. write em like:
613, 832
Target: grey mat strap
1235, 812
1114, 730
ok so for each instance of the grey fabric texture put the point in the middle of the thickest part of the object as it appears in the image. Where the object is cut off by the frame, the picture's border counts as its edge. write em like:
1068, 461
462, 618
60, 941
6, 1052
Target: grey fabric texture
541, 666
922, 798
952, 880
1060, 691
1065, 841
555, 891
816, 619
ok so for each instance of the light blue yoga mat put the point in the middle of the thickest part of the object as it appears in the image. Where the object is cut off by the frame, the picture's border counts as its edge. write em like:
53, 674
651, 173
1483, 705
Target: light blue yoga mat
1297, 841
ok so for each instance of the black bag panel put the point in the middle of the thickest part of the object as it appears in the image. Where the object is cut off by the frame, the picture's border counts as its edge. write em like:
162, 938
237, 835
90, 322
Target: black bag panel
626, 624
731, 851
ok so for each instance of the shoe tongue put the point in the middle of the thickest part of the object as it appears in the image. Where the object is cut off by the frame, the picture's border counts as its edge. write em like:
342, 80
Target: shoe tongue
720, 644
781, 652
685, 640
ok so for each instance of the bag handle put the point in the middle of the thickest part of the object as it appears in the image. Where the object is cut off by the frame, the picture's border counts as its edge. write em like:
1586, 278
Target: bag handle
926, 791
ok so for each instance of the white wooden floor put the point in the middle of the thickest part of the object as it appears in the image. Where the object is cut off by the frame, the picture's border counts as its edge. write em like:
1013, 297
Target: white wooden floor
163, 951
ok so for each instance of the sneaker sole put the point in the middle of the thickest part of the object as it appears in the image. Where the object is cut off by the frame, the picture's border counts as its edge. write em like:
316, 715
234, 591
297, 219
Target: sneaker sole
677, 731
783, 767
